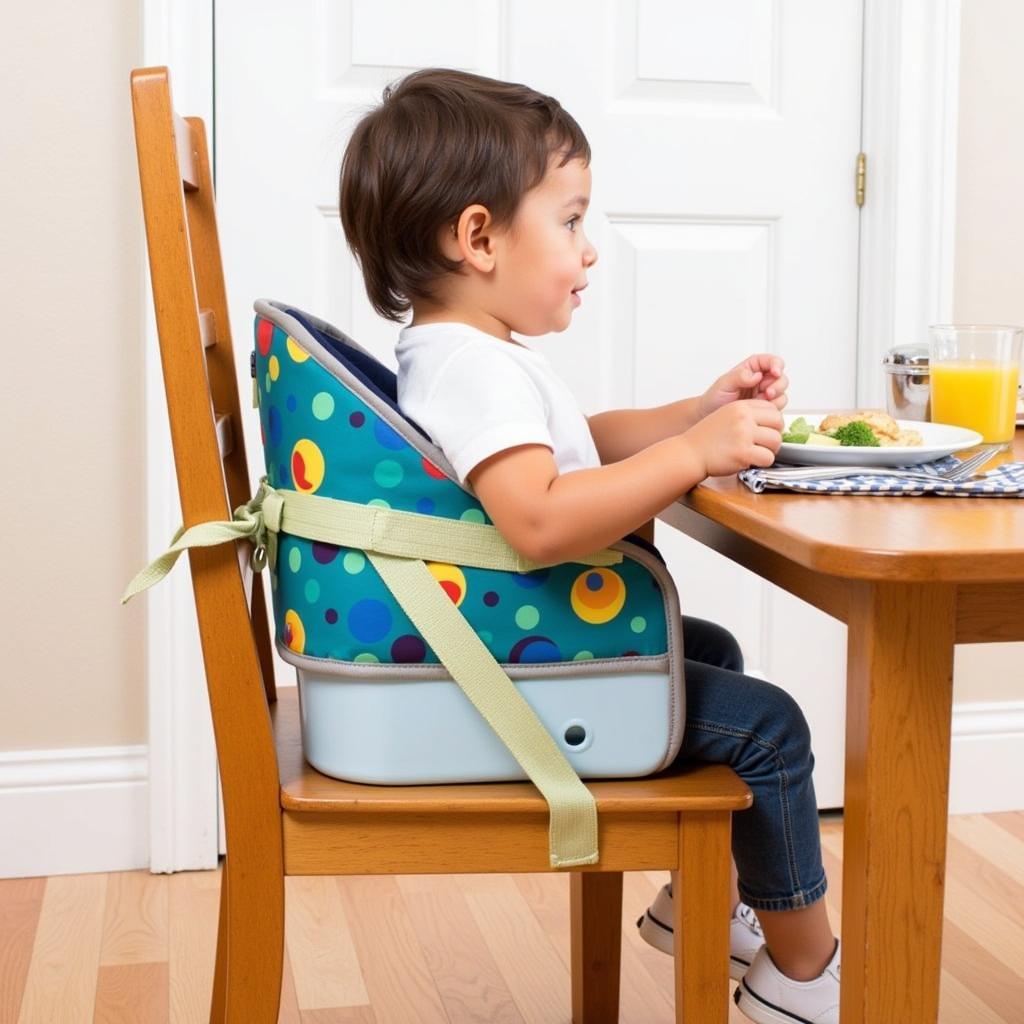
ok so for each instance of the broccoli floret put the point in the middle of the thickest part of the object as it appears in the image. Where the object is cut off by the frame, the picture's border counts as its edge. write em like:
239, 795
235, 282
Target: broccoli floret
799, 431
856, 433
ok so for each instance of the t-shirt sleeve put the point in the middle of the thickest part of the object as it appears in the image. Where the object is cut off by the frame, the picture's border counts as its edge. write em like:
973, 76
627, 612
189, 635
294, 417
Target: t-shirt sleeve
481, 402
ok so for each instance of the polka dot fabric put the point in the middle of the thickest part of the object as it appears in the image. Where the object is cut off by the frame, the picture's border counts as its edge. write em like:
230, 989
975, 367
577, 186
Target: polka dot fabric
322, 437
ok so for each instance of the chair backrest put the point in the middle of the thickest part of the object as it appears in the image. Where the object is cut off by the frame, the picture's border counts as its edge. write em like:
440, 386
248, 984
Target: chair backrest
206, 432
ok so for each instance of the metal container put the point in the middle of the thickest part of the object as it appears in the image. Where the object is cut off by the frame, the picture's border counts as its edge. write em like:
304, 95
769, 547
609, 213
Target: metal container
907, 391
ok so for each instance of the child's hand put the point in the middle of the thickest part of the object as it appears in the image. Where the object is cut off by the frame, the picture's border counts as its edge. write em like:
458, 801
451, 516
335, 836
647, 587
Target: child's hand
736, 436
758, 376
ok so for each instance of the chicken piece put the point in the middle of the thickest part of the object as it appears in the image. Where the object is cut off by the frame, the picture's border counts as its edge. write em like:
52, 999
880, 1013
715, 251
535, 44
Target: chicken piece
881, 423
904, 439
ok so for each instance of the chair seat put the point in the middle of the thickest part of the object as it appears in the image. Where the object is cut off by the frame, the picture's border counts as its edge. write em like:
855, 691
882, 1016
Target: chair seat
693, 787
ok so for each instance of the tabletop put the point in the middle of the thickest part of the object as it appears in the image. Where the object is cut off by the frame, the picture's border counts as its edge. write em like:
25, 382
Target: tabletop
926, 538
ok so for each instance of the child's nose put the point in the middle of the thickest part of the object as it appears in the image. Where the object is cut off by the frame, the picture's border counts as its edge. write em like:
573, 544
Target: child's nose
589, 255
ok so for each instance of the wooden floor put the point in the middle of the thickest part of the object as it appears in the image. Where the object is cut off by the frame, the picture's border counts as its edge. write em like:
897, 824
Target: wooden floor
135, 947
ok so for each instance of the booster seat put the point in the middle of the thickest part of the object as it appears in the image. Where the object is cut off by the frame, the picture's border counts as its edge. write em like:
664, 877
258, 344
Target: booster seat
395, 598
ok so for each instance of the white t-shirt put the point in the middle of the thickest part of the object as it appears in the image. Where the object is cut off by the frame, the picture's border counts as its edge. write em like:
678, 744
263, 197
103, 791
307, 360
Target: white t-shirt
475, 395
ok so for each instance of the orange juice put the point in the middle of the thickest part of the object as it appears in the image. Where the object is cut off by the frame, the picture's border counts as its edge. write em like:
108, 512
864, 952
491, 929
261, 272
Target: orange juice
977, 394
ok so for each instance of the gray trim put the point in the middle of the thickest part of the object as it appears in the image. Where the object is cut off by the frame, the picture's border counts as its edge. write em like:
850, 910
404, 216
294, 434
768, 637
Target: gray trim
674, 636
385, 672
274, 311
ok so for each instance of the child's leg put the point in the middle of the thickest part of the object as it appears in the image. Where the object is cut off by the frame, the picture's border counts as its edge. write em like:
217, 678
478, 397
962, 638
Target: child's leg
760, 731
800, 941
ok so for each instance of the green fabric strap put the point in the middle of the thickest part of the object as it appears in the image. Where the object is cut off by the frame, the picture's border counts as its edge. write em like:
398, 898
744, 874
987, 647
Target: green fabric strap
247, 525
351, 524
407, 534
572, 835
398, 544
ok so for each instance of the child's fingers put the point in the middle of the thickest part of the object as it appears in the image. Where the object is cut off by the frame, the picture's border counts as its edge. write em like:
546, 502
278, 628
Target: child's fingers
773, 389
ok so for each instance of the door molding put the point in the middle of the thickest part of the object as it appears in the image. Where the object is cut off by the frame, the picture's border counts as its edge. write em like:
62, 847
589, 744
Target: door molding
910, 107
183, 814
909, 122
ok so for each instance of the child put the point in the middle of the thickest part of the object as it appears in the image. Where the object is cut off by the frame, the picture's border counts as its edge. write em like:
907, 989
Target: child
462, 198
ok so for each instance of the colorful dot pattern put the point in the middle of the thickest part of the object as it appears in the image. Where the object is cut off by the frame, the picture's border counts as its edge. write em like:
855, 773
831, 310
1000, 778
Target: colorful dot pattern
329, 602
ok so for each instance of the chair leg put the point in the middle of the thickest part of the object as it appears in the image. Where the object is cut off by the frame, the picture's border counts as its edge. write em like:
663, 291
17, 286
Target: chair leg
701, 918
596, 913
250, 944
217, 1003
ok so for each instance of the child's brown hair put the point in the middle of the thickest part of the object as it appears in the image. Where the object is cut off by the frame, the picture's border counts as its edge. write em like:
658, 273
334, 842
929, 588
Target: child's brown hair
440, 141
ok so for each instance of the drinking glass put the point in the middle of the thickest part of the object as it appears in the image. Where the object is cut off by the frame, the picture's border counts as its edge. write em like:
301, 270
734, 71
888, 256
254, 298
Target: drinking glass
974, 370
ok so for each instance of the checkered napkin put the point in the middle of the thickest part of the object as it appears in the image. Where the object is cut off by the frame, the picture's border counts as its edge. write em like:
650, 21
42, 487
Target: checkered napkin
1005, 481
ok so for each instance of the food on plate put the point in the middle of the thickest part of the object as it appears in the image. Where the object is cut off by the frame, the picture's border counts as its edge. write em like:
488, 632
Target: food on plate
857, 433
881, 423
868, 428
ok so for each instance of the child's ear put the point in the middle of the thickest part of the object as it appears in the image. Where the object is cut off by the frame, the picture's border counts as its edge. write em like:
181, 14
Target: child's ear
474, 238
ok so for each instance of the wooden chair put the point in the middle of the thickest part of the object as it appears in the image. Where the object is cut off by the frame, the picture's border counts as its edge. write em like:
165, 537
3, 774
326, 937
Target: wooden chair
281, 816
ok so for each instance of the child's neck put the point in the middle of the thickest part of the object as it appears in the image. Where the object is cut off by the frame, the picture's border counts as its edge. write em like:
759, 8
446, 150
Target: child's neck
472, 316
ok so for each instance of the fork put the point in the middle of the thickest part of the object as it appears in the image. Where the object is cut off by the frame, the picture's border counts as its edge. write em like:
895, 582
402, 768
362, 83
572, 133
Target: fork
964, 470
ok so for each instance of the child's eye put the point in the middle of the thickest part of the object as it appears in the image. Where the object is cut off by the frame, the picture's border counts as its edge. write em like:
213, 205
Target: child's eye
572, 220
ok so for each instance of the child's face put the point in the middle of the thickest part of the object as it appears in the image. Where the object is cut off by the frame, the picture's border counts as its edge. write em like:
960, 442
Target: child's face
545, 256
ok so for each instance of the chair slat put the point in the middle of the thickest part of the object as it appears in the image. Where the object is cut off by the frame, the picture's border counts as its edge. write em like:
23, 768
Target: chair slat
207, 328
185, 145
242, 551
225, 434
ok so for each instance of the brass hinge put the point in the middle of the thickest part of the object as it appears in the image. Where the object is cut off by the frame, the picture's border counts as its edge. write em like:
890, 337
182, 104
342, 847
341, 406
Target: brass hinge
862, 177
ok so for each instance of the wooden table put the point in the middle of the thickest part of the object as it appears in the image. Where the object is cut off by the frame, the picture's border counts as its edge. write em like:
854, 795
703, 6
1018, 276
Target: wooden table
910, 577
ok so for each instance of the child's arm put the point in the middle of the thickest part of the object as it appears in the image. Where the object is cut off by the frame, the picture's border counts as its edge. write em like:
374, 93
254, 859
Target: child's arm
553, 518
620, 433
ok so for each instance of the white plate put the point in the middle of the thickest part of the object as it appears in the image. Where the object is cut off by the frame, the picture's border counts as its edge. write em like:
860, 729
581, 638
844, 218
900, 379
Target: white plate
940, 439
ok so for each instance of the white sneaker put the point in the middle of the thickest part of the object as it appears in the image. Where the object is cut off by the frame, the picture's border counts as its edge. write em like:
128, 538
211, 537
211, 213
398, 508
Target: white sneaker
745, 936
767, 996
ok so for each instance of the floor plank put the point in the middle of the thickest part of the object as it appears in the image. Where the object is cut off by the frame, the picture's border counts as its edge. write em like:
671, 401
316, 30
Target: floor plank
135, 919
996, 844
20, 902
132, 992
1012, 822
531, 965
976, 969
193, 899
325, 966
397, 979
61, 988
467, 978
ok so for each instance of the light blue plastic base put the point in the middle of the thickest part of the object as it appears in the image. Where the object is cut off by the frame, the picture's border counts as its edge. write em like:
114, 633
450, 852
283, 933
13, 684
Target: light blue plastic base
413, 732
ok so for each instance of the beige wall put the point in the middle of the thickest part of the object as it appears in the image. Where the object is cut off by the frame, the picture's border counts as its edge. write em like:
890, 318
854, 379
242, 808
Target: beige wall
989, 236
73, 456
73, 375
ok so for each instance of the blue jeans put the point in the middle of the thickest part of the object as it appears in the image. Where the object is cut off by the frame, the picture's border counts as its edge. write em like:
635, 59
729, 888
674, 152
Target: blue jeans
760, 731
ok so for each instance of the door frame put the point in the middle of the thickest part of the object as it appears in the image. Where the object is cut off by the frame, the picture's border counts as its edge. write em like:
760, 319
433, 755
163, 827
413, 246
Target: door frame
183, 784
910, 81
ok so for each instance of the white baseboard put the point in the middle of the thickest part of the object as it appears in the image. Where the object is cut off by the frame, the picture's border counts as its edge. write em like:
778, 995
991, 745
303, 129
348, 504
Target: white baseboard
73, 811
986, 759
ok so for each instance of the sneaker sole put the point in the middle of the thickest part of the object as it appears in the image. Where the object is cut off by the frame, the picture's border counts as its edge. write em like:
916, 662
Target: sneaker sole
655, 934
762, 1012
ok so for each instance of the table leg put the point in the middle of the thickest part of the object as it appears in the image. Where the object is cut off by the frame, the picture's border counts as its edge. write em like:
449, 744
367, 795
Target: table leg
899, 704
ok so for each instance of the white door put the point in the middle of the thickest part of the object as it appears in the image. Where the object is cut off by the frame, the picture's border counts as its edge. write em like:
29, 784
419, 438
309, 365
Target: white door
724, 138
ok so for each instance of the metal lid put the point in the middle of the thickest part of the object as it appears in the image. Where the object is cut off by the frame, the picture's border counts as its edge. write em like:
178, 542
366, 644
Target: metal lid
909, 356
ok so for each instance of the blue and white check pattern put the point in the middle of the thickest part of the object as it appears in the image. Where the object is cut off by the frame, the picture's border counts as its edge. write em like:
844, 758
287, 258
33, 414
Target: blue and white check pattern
1006, 481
